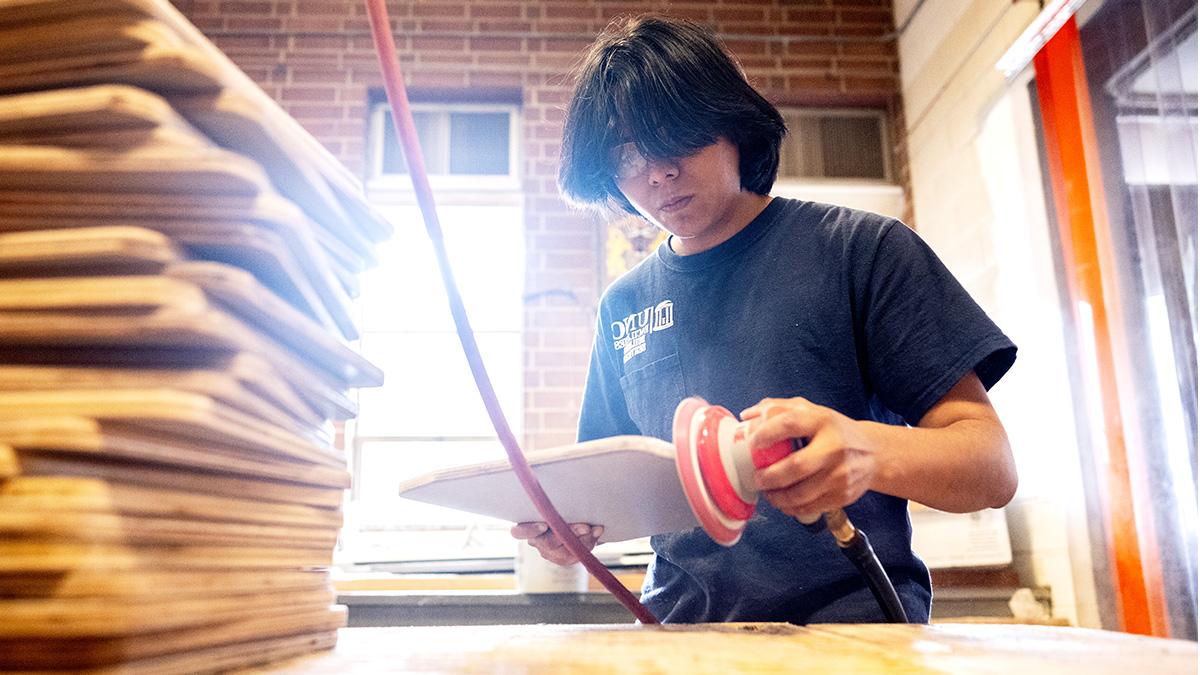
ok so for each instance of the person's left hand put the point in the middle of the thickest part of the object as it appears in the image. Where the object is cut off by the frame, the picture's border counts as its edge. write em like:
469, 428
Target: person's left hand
833, 470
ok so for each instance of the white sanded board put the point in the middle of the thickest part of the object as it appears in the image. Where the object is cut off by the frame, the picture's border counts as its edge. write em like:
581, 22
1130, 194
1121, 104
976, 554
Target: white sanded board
628, 484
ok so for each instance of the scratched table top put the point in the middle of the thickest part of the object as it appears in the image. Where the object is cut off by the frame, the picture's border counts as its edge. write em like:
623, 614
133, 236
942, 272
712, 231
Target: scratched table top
746, 648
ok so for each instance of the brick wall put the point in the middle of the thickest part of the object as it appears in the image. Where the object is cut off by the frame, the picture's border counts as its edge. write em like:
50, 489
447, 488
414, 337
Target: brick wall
316, 58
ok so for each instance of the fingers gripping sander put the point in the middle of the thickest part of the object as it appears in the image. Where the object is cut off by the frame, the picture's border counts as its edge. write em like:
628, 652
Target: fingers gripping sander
716, 467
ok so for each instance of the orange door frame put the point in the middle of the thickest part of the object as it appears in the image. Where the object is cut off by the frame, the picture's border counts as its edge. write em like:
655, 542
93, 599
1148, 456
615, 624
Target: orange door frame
1079, 203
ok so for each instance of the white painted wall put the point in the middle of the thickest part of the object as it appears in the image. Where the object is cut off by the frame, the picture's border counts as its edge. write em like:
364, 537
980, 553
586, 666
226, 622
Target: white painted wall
978, 201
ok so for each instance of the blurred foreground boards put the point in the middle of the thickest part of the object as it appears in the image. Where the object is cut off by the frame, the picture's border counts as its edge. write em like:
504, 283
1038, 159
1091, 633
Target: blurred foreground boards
177, 258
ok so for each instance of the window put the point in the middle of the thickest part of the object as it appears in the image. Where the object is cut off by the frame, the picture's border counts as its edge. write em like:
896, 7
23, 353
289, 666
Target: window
466, 145
839, 157
428, 415
835, 144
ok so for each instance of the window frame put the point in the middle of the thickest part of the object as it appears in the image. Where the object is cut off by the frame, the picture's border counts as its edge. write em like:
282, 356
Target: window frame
885, 145
382, 183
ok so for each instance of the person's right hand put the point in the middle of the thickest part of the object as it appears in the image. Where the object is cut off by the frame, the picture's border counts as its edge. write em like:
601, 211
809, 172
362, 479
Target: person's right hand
541, 537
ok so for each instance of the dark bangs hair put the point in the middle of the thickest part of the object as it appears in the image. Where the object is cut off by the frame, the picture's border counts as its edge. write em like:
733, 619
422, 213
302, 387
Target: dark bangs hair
668, 86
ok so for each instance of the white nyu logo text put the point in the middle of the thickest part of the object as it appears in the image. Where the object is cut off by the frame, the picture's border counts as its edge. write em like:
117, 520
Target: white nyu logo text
629, 334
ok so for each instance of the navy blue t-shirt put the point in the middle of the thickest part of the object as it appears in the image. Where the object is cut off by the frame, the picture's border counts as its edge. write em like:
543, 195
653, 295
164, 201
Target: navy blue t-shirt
846, 308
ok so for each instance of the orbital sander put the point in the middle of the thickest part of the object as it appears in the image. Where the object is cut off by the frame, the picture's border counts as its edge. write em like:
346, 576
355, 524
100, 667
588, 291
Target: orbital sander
716, 468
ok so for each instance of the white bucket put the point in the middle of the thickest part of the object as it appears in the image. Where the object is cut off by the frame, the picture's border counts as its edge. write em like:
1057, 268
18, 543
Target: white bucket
535, 574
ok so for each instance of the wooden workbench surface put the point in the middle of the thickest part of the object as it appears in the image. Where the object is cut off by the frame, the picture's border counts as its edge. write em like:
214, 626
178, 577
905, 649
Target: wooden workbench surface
747, 648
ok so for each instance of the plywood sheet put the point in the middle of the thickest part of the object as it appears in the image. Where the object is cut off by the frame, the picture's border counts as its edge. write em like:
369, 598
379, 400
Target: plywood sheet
159, 66
107, 528
233, 120
159, 584
240, 97
230, 386
93, 250
117, 117
148, 169
79, 617
97, 110
187, 650
628, 484
205, 474
242, 294
90, 495
154, 313
40, 557
177, 445
198, 220
169, 500
181, 415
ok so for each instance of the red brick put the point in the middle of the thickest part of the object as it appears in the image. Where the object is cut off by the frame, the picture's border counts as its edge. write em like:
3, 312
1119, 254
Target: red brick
477, 10
876, 15
555, 96
316, 75
505, 26
740, 48
572, 45
509, 60
313, 23
237, 7
808, 48
495, 44
752, 62
429, 43
311, 7
460, 59
809, 82
244, 43
321, 42
806, 63
700, 13
323, 94
869, 48
868, 84
209, 23
313, 110
807, 29
323, 76
253, 23
482, 79
427, 9
721, 15
444, 26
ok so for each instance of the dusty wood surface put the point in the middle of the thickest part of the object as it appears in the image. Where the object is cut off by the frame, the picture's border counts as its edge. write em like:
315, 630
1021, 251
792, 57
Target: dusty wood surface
747, 648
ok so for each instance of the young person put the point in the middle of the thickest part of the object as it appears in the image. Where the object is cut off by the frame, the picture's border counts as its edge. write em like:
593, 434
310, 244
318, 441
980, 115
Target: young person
843, 318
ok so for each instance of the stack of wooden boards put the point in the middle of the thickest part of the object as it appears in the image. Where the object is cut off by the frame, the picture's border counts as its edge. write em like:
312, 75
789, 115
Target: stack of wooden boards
176, 261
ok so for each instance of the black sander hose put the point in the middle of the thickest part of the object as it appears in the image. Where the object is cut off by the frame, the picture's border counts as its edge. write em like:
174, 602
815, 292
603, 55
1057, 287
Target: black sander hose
855, 546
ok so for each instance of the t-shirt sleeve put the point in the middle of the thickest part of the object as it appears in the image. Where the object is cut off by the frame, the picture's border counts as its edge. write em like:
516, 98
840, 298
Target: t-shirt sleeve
921, 330
603, 412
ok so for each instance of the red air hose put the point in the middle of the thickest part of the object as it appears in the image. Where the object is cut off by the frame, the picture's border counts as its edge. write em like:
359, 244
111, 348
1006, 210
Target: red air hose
397, 95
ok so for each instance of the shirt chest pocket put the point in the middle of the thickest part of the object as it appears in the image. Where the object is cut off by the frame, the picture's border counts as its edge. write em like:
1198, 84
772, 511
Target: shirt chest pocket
651, 394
